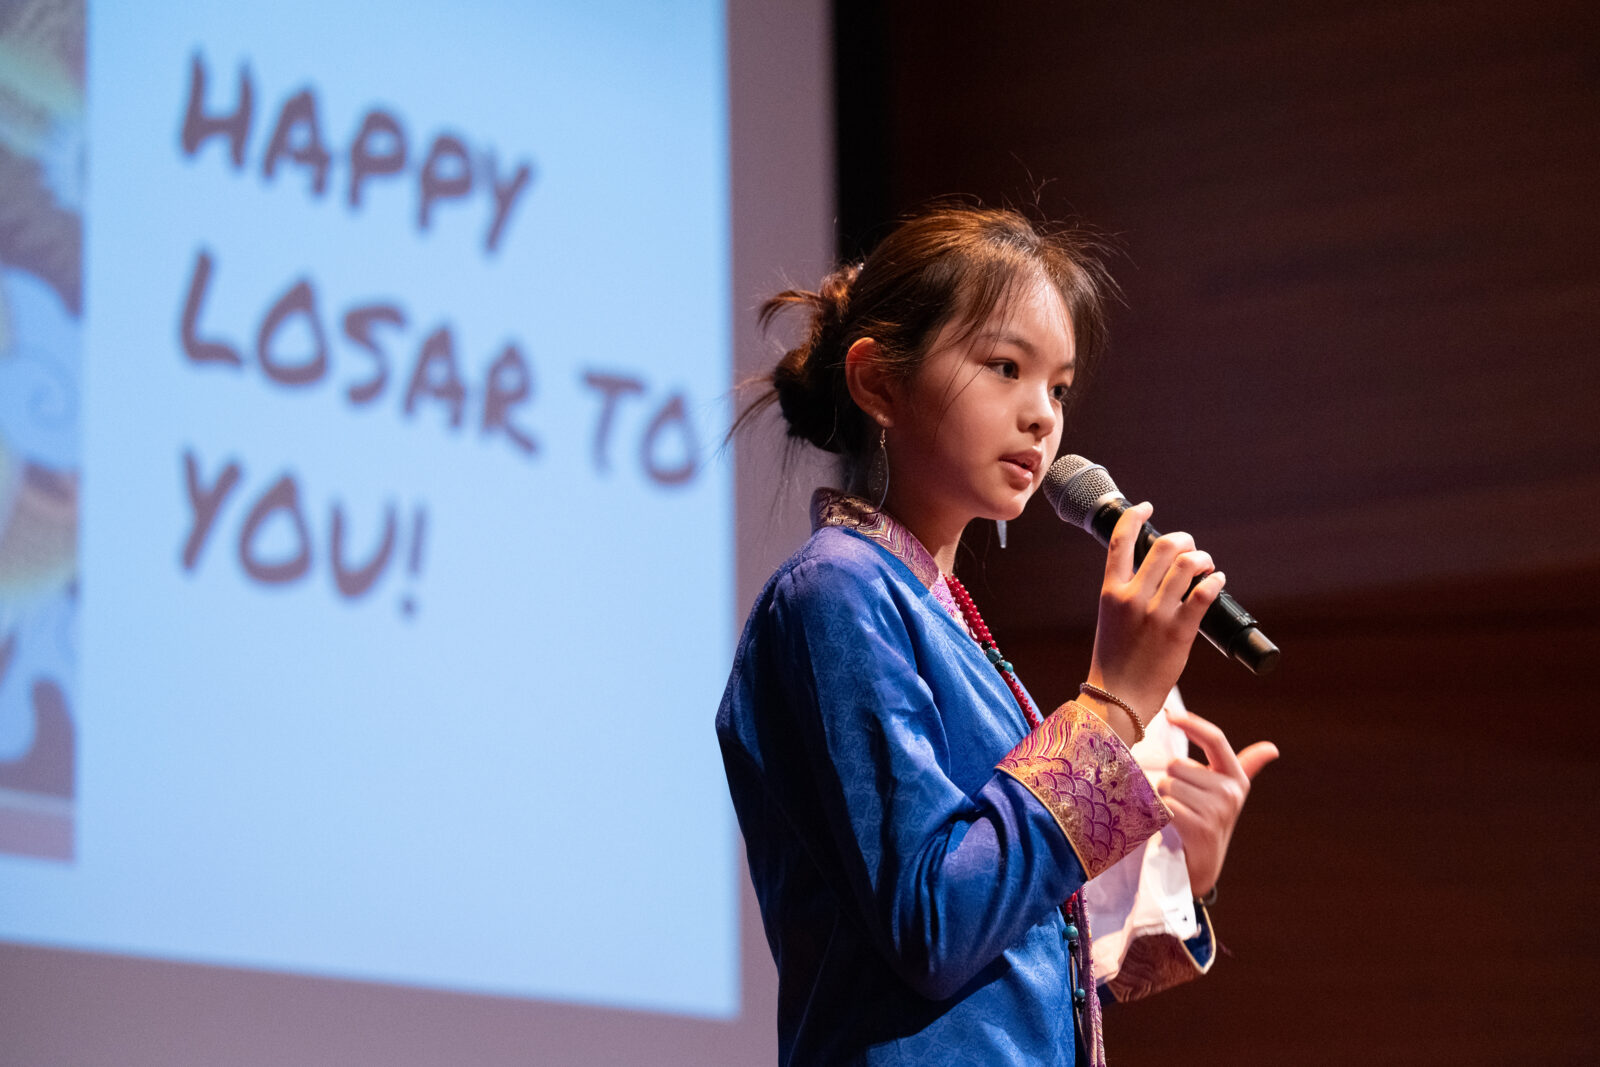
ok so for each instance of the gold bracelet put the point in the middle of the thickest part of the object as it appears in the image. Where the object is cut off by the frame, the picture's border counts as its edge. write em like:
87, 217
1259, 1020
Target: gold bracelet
1138, 723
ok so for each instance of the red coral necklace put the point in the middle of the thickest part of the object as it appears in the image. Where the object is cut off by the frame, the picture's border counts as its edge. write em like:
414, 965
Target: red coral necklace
991, 651
1085, 1003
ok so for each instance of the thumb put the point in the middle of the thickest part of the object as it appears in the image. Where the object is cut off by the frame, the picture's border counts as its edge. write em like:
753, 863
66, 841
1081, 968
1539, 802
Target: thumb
1257, 756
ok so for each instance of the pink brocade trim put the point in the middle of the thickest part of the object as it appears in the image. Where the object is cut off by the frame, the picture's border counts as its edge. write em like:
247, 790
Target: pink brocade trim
1089, 1018
1088, 780
1153, 963
829, 507
941, 593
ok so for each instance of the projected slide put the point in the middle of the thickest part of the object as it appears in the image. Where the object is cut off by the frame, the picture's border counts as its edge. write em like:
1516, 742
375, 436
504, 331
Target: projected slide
365, 545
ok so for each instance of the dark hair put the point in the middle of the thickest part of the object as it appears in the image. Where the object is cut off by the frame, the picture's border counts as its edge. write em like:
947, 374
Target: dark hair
943, 262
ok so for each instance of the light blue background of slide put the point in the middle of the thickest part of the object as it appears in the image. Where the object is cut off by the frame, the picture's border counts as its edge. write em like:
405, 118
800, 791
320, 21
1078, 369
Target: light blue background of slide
517, 790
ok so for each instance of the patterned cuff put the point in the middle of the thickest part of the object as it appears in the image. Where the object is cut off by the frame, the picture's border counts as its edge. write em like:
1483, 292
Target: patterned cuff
1160, 961
1087, 779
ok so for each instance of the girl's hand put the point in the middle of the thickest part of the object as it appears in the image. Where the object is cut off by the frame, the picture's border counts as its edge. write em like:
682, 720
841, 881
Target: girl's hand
1146, 624
1205, 798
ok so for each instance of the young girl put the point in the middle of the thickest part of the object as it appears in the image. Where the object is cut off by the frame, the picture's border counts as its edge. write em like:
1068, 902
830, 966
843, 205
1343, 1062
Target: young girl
914, 822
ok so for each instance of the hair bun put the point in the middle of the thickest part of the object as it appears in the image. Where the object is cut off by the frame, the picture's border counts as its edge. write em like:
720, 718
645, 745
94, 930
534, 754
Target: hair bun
806, 385
833, 295
805, 396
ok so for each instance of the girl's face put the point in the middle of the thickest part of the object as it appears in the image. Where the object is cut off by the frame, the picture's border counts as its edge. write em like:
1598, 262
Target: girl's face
976, 426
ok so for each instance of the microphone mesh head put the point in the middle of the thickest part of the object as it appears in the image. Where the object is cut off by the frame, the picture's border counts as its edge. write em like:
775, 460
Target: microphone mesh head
1075, 488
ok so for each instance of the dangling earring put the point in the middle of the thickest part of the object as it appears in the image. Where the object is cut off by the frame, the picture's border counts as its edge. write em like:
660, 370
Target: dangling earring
1000, 528
878, 471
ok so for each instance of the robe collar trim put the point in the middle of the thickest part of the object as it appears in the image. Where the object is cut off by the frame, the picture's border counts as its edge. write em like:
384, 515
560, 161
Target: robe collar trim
829, 507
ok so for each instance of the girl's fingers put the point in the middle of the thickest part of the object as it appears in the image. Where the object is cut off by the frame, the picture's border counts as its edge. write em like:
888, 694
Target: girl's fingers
1158, 563
1184, 570
1189, 823
1119, 556
1212, 741
1190, 796
1192, 771
1185, 818
1202, 596
1254, 757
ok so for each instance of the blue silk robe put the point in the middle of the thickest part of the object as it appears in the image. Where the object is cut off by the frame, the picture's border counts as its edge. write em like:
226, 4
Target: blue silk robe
909, 888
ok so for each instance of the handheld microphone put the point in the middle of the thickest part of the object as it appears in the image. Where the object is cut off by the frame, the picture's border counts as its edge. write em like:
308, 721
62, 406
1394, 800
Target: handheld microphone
1084, 495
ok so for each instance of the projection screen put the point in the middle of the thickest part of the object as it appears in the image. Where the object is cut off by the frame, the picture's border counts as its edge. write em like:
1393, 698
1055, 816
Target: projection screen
369, 563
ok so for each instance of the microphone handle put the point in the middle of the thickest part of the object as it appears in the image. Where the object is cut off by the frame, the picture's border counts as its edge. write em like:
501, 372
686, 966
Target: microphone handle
1232, 630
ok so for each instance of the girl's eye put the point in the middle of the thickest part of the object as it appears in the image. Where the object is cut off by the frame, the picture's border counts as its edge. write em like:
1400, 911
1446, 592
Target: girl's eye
1005, 368
1060, 393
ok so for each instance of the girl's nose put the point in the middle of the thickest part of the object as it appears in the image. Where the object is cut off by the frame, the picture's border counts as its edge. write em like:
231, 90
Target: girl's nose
1039, 416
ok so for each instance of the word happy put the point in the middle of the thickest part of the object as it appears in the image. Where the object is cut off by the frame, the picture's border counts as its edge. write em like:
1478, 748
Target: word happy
379, 151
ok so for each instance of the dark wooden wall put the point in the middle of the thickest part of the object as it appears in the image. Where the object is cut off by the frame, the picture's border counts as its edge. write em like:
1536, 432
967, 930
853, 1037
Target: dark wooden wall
1413, 882
1359, 256
1358, 359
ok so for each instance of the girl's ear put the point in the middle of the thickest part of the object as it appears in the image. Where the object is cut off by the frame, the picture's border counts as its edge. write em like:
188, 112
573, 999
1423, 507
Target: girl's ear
869, 381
